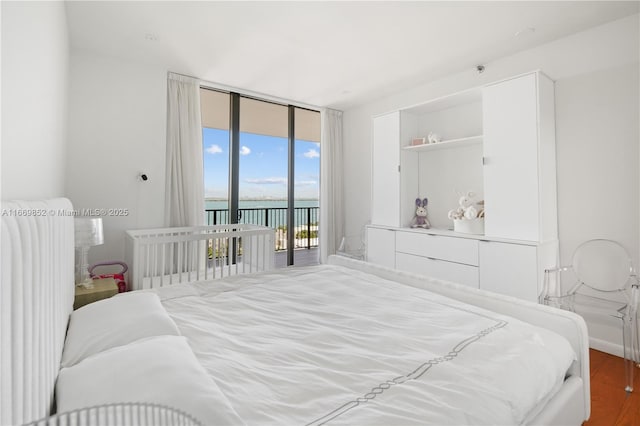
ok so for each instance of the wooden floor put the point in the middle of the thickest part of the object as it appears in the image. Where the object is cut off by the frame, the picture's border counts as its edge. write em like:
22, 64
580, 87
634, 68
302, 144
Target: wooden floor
610, 404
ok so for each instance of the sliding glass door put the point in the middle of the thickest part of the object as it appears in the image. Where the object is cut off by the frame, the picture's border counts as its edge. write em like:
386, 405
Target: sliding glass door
264, 164
216, 145
261, 162
307, 185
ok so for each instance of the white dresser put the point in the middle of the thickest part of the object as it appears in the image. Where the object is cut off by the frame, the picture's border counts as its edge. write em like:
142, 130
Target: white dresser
511, 267
447, 258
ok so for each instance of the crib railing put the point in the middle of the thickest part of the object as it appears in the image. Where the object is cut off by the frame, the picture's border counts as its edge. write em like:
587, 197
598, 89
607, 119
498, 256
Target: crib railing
167, 256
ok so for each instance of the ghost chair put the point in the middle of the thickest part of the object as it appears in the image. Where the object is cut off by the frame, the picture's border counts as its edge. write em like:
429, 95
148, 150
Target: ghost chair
601, 280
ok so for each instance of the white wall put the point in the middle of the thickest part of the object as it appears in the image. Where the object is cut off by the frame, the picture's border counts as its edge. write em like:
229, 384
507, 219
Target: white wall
596, 74
35, 56
117, 127
597, 154
598, 180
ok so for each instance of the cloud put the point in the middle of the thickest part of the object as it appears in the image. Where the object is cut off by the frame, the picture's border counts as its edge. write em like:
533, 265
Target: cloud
312, 153
306, 182
268, 181
214, 149
245, 150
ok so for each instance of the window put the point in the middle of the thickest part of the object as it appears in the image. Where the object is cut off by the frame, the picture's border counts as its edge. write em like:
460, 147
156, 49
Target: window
253, 149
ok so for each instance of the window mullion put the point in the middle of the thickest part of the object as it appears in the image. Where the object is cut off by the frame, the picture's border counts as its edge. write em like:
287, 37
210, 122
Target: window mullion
291, 233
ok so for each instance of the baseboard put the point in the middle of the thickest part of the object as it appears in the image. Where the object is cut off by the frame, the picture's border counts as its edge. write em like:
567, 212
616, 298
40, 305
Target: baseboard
606, 346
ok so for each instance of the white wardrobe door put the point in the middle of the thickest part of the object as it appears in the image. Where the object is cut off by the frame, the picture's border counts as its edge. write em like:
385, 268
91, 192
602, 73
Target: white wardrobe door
511, 159
510, 269
385, 174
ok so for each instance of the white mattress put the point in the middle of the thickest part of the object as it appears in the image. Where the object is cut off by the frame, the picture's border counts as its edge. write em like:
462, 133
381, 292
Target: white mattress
328, 344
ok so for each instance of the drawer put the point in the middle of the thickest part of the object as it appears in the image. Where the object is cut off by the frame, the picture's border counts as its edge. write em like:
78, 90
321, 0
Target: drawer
440, 269
460, 250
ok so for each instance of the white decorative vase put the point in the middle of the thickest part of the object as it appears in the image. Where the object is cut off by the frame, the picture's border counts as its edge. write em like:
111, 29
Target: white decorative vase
469, 226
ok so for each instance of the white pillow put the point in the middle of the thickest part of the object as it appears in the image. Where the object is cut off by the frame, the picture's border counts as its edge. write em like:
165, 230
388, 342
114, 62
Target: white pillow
115, 322
161, 370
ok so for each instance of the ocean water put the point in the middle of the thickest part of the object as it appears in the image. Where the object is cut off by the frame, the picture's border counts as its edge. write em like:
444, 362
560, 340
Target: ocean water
267, 212
255, 204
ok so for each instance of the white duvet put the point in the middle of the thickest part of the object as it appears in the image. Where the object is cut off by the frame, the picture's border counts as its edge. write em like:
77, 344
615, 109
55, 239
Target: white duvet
332, 345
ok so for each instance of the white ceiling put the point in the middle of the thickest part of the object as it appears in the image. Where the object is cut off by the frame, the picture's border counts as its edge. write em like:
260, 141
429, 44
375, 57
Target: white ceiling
330, 53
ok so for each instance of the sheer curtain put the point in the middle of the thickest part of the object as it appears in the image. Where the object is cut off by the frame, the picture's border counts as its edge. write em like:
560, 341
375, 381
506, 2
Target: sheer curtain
184, 202
331, 205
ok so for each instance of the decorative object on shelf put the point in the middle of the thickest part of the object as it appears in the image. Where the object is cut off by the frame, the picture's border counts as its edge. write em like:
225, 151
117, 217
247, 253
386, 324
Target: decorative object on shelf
434, 138
469, 226
481, 208
466, 217
420, 219
88, 233
418, 141
465, 207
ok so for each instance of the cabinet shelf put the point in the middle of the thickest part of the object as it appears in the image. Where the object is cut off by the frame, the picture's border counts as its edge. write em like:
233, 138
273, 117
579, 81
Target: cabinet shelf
446, 144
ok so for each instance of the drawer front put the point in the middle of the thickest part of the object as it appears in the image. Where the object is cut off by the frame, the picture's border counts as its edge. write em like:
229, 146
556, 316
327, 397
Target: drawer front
440, 269
460, 250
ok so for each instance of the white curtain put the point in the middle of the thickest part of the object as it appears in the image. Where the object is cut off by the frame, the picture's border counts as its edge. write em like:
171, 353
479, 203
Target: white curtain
331, 203
184, 202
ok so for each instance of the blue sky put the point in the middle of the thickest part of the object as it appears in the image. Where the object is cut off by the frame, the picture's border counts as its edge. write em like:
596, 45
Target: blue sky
263, 166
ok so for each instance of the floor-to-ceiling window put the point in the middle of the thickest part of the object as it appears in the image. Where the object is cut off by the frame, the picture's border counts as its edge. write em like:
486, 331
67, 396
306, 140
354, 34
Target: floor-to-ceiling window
307, 184
262, 166
216, 154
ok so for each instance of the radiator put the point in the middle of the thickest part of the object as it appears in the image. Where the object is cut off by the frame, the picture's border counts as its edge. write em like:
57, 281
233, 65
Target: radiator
168, 256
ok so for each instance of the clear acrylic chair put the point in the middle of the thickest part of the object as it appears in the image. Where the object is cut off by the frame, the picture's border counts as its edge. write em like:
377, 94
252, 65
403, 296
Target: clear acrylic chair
605, 283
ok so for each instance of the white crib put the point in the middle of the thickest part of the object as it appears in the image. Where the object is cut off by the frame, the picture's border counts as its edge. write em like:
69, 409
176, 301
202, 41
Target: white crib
167, 256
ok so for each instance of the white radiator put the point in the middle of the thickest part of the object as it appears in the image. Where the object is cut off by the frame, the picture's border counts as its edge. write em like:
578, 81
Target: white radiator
167, 256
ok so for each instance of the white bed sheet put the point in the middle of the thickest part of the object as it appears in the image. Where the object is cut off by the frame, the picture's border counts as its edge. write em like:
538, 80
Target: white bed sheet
298, 346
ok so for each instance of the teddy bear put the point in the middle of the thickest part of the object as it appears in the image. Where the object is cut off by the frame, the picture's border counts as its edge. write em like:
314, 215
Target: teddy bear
420, 219
465, 209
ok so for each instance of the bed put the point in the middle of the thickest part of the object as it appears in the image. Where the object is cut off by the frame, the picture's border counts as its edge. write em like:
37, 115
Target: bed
342, 343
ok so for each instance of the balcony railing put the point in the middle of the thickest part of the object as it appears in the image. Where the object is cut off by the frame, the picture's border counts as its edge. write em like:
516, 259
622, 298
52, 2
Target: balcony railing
305, 220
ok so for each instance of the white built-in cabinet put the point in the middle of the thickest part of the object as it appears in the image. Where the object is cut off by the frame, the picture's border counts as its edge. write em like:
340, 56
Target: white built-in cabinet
515, 268
442, 257
386, 179
497, 141
519, 158
381, 246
